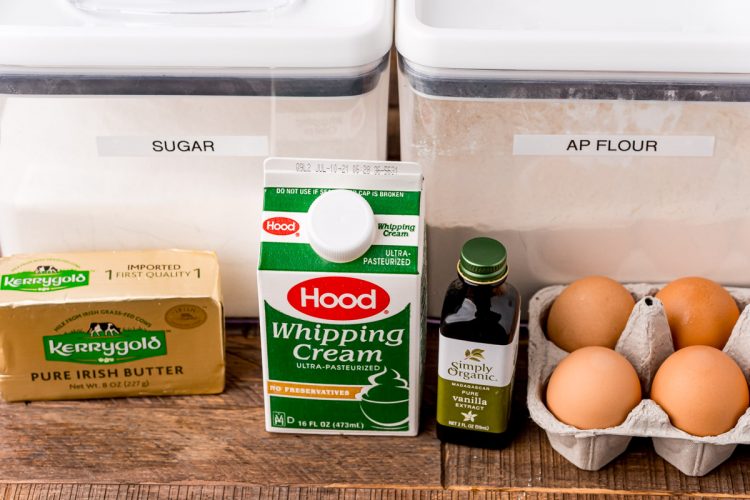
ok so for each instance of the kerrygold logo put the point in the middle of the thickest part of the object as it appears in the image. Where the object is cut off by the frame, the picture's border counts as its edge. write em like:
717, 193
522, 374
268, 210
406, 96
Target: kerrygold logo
44, 279
104, 343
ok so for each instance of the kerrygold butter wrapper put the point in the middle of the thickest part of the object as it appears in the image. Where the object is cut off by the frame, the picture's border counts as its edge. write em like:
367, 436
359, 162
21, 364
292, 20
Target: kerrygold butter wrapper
110, 324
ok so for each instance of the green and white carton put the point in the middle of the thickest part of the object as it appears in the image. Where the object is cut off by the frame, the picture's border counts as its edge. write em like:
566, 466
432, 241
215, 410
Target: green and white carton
341, 292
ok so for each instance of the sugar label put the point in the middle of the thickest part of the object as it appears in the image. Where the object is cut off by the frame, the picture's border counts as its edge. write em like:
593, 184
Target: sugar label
165, 146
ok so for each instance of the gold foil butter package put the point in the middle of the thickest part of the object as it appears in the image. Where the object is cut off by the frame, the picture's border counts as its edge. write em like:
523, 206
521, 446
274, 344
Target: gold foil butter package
110, 324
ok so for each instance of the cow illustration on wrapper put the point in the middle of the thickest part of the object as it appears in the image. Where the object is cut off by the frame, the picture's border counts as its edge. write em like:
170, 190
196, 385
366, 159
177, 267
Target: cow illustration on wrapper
107, 329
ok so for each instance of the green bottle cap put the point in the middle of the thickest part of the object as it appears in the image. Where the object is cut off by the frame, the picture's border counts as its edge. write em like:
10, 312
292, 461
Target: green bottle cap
483, 261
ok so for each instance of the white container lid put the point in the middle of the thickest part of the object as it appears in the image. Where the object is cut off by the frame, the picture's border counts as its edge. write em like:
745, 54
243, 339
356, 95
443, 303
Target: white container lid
341, 225
303, 34
684, 36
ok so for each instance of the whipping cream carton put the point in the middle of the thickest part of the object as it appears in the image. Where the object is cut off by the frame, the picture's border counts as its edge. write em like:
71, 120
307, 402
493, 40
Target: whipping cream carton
341, 296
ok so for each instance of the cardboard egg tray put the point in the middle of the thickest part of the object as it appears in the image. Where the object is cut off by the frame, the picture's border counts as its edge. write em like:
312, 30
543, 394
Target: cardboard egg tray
646, 342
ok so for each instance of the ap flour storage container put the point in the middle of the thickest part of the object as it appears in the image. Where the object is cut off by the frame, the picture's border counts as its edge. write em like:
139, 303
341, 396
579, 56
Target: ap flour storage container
588, 139
127, 124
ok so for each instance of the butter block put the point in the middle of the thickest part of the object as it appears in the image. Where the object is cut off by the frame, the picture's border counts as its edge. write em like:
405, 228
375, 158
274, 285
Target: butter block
110, 324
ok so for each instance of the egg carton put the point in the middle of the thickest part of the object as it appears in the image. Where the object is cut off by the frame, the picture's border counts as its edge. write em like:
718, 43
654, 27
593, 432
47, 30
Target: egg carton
646, 342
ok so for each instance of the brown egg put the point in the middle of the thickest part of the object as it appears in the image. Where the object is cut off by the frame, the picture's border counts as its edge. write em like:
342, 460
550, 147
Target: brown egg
593, 388
702, 390
699, 311
590, 311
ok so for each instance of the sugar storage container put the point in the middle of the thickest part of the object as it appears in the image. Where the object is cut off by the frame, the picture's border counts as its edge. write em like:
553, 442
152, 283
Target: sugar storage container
588, 139
131, 124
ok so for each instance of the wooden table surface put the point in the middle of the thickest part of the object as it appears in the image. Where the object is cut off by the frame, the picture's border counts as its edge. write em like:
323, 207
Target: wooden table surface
216, 447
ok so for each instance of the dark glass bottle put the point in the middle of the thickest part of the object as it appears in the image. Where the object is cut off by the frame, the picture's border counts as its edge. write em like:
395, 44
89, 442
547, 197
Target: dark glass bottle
478, 349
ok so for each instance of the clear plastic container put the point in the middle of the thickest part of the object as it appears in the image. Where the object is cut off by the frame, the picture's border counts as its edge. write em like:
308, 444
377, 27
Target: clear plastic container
589, 140
127, 129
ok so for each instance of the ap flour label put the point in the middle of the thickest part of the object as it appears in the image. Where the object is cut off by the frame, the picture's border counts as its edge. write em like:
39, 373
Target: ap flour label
613, 145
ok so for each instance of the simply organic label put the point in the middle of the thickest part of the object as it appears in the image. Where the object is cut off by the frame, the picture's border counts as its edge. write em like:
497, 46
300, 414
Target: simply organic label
476, 383
103, 344
44, 280
612, 145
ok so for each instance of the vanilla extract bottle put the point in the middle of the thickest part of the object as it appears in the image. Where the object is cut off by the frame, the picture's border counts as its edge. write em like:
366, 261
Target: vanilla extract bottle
478, 348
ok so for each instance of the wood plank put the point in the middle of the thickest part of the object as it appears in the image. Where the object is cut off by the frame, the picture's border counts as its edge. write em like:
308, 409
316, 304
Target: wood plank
238, 492
531, 463
200, 438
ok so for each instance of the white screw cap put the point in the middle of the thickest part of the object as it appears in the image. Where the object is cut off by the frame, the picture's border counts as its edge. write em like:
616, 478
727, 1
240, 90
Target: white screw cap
340, 226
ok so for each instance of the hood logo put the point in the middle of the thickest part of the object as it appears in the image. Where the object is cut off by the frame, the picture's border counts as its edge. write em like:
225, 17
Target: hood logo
280, 226
104, 343
338, 298
474, 355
